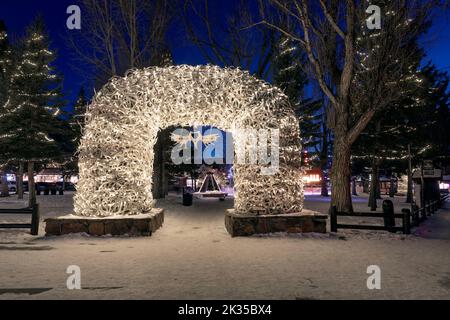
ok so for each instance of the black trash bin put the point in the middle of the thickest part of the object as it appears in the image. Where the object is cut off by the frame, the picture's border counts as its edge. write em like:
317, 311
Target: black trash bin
187, 197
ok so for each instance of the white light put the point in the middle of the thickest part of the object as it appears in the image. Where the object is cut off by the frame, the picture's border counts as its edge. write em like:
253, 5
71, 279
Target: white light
116, 152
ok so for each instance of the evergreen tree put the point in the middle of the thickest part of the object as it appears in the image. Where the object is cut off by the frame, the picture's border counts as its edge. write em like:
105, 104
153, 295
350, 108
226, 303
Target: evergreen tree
73, 133
77, 120
412, 128
290, 77
435, 131
30, 122
387, 78
5, 63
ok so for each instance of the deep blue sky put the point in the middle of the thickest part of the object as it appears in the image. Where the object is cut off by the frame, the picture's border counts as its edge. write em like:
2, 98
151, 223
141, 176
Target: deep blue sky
19, 13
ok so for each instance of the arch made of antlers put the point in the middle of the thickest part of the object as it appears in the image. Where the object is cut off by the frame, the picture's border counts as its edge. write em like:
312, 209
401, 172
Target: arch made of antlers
116, 153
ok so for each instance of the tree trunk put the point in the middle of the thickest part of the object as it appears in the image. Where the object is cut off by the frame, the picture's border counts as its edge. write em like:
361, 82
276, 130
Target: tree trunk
324, 160
19, 180
354, 187
365, 185
324, 185
4, 185
165, 178
378, 189
340, 175
31, 186
392, 188
374, 187
409, 194
159, 168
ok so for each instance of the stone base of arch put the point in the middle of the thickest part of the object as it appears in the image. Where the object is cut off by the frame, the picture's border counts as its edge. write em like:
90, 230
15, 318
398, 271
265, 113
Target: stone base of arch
239, 225
143, 225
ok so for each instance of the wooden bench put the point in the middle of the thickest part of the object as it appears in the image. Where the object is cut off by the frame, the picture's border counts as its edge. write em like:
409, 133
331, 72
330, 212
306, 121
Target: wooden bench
33, 226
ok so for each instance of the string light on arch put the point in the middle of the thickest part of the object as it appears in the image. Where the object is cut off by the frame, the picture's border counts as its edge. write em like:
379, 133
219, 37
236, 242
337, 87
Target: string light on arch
116, 152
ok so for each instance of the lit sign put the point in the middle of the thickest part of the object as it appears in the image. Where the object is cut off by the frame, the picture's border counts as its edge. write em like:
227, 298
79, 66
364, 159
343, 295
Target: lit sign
312, 178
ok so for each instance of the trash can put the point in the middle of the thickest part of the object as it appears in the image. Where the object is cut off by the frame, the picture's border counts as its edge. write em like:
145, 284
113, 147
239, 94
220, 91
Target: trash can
187, 197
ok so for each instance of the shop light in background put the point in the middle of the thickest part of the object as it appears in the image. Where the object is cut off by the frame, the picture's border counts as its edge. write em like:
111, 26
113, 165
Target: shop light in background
312, 176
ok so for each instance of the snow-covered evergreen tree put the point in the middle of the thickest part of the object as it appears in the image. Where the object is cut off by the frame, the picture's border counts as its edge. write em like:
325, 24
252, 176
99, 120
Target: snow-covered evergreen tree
30, 121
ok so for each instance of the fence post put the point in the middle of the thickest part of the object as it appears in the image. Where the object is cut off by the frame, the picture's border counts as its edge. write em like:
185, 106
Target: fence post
415, 215
406, 221
333, 218
428, 208
388, 214
35, 220
423, 213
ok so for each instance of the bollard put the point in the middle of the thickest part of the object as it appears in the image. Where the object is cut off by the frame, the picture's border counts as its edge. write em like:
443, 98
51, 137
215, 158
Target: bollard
415, 215
333, 218
423, 213
187, 198
35, 220
388, 214
406, 221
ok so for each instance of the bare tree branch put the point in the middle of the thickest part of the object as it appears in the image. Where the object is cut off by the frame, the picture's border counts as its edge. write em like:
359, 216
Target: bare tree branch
331, 20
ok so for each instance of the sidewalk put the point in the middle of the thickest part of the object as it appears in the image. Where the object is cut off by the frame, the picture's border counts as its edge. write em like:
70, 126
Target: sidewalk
193, 257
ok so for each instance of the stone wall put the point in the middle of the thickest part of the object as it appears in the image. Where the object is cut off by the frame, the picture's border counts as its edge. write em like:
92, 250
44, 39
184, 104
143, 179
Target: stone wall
136, 226
307, 222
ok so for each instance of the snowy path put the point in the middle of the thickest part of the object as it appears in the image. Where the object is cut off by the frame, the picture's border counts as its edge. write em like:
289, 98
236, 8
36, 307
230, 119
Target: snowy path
193, 257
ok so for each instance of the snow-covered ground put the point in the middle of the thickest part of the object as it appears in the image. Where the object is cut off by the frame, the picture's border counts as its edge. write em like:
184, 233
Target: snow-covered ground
193, 257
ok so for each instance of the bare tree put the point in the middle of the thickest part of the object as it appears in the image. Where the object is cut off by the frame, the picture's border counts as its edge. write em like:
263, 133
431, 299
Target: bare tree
360, 71
118, 35
229, 41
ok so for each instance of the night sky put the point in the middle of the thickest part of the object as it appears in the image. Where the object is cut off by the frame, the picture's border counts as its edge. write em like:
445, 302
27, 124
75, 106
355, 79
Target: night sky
17, 14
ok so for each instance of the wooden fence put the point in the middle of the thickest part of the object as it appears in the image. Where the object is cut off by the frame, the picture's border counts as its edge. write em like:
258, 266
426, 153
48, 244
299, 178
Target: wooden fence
33, 226
410, 218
